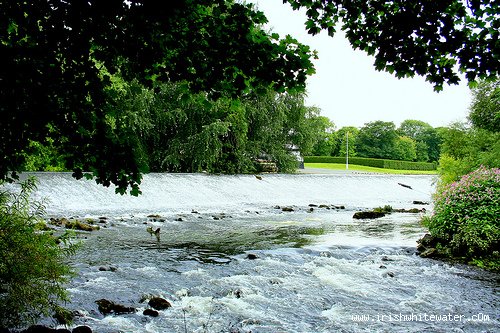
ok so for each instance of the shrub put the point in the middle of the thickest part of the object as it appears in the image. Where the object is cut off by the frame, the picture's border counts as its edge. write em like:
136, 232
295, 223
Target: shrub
33, 267
465, 218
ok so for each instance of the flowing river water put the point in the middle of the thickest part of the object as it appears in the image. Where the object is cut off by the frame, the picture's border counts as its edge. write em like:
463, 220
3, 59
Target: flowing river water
315, 270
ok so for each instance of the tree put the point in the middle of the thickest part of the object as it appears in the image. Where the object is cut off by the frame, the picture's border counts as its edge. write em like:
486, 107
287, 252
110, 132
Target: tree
421, 151
59, 58
465, 148
377, 139
414, 129
405, 149
485, 107
323, 134
346, 133
178, 130
425, 136
435, 39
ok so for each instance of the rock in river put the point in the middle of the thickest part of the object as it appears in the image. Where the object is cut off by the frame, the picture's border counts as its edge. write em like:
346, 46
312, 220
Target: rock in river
159, 303
107, 307
368, 215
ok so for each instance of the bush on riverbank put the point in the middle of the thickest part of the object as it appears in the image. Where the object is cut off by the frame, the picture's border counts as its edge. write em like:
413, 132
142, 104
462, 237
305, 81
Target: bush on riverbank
33, 268
465, 221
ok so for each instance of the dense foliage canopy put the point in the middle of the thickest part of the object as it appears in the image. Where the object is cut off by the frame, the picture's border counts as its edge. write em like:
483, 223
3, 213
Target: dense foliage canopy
465, 220
59, 57
63, 59
435, 39
467, 146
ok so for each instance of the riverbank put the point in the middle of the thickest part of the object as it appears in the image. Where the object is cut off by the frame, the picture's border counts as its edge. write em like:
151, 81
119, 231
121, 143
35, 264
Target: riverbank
333, 168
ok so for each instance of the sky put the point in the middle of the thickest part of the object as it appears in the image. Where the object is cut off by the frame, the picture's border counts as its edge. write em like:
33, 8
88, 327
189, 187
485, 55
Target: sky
348, 89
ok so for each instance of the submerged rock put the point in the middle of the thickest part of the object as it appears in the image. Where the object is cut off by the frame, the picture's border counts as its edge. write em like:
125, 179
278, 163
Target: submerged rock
73, 224
151, 313
159, 303
367, 215
107, 268
411, 210
287, 209
107, 307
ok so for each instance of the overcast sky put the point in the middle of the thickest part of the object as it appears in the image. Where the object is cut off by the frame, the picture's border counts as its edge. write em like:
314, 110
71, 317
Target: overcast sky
348, 89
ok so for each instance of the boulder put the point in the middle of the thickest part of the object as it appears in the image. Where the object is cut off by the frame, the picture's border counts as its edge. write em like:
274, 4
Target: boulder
151, 313
368, 215
429, 253
107, 268
287, 209
252, 256
107, 307
159, 303
82, 329
426, 242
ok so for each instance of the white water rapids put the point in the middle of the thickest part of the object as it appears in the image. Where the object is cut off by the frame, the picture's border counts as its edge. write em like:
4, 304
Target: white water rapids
316, 271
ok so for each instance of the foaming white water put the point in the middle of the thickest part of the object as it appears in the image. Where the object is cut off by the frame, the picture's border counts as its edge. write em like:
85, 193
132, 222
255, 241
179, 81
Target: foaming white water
167, 192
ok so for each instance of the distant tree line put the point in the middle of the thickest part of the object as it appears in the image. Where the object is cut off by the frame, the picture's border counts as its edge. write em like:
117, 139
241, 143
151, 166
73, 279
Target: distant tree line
413, 140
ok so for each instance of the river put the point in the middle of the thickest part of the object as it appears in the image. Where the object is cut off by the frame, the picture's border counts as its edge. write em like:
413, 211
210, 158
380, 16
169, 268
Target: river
314, 269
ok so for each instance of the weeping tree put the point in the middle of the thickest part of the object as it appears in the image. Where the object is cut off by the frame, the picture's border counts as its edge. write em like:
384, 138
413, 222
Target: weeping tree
174, 129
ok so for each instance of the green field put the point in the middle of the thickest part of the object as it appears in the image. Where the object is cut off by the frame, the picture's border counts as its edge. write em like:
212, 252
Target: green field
353, 167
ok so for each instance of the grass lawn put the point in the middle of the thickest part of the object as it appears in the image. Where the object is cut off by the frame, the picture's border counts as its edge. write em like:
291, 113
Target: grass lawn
352, 167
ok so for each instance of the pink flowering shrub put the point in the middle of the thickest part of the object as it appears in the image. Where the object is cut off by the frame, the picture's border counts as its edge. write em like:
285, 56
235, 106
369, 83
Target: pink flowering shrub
466, 218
